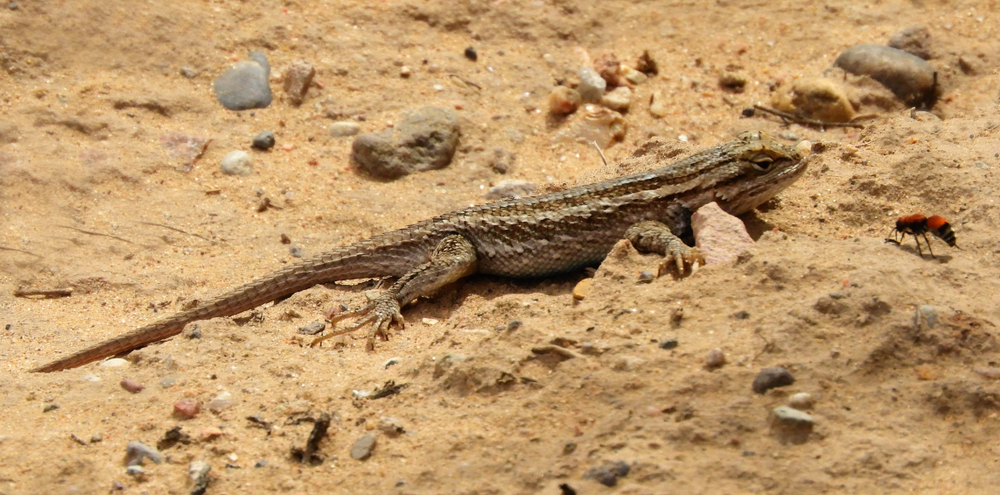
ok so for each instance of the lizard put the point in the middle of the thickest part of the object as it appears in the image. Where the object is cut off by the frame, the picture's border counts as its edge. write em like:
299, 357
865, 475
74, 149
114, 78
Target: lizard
534, 236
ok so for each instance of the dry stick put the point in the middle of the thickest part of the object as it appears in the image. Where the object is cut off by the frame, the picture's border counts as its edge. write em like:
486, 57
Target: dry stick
804, 121
88, 232
175, 229
3, 248
46, 293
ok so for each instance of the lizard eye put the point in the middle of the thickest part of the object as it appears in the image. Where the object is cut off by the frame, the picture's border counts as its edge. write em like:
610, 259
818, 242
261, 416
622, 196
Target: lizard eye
762, 161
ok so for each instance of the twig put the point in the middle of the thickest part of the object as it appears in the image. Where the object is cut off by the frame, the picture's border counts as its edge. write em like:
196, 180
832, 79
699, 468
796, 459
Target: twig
175, 229
789, 117
88, 232
45, 293
19, 251
605, 160
466, 81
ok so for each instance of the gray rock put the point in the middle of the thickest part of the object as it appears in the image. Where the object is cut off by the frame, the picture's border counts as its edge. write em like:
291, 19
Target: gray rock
237, 163
245, 85
510, 188
344, 129
915, 40
263, 141
930, 315
312, 328
198, 472
791, 425
910, 78
136, 452
298, 77
772, 377
608, 475
669, 344
425, 139
716, 359
188, 72
801, 400
592, 85
363, 447
135, 471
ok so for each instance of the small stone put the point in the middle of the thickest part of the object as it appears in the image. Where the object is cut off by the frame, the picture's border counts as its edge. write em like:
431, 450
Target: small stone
610, 69
344, 129
132, 386
658, 105
298, 77
115, 363
582, 289
814, 97
188, 72
135, 471
245, 85
136, 452
510, 188
634, 76
915, 40
237, 163
669, 344
627, 363
391, 427
198, 472
96, 438
720, 236
168, 382
13, 6
772, 377
50, 408
592, 85
929, 315
263, 141
646, 64
646, 277
716, 359
608, 475
405, 72
470, 53
909, 77
312, 328
791, 425
187, 408
425, 139
208, 434
564, 100
733, 82
223, 400
801, 400
363, 447
618, 99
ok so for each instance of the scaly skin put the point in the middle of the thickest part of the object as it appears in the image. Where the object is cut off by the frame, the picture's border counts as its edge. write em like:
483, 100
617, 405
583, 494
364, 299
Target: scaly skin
524, 237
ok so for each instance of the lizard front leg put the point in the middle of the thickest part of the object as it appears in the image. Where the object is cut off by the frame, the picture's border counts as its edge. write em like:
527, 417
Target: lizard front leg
656, 237
453, 258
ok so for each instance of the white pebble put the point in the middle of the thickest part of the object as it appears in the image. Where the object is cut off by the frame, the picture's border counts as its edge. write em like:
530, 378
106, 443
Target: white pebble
237, 163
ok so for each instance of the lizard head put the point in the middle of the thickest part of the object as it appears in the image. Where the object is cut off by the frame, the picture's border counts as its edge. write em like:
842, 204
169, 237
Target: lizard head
760, 168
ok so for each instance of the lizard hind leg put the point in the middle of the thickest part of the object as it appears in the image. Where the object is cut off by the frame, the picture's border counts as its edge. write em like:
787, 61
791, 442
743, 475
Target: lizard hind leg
454, 257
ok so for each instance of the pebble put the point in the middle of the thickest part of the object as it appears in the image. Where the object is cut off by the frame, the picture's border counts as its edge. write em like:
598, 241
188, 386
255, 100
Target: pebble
135, 471
510, 188
136, 452
618, 99
716, 359
669, 344
405, 72
115, 363
263, 141
344, 129
634, 76
627, 363
610, 69
470, 53
772, 377
658, 105
791, 425
188, 72
908, 76
930, 315
733, 82
582, 289
50, 408
198, 472
814, 97
363, 447
801, 400
592, 85
298, 77
312, 328
608, 475
168, 382
915, 40
425, 139
245, 85
564, 100
187, 408
646, 277
223, 400
237, 163
720, 236
132, 386
390, 426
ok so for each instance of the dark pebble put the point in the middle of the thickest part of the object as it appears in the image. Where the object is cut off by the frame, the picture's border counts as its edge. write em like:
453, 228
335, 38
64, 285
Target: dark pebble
312, 328
263, 141
608, 475
669, 344
50, 407
772, 377
909, 77
470, 53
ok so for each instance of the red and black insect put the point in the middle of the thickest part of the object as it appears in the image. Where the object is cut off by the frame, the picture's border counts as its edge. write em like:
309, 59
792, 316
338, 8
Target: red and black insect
920, 225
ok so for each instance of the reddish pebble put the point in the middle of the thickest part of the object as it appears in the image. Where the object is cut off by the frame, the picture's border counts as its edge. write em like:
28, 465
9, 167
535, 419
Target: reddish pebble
131, 386
187, 408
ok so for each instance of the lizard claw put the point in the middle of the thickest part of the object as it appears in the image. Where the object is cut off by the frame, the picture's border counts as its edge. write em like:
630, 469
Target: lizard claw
683, 256
380, 312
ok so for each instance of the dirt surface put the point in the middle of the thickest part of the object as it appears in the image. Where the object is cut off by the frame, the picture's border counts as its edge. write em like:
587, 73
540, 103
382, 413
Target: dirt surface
94, 197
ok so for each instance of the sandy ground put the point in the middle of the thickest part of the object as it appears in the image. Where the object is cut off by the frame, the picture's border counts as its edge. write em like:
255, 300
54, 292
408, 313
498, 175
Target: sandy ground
92, 200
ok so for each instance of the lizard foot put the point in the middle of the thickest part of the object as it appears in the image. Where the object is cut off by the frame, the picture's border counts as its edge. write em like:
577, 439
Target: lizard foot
380, 312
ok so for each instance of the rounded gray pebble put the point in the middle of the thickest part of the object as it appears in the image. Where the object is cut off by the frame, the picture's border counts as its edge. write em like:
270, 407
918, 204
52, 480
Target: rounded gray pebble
237, 163
930, 315
425, 139
592, 85
716, 359
188, 72
363, 447
198, 472
263, 141
772, 377
791, 425
909, 77
245, 86
344, 129
608, 475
